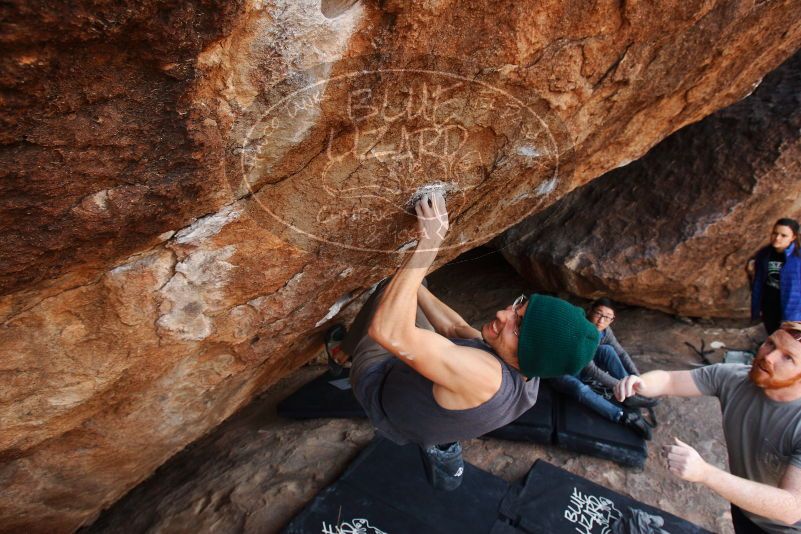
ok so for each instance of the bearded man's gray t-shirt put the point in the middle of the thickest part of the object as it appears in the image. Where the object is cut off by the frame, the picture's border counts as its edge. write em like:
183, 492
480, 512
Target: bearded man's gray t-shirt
762, 436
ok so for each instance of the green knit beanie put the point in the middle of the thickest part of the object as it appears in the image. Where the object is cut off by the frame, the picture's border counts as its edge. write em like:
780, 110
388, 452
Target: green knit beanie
555, 338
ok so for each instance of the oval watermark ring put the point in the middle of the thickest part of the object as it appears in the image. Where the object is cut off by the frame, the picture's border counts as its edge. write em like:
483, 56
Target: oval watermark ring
336, 154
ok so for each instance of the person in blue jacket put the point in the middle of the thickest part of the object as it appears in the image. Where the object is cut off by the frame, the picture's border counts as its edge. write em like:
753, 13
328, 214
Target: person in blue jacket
775, 276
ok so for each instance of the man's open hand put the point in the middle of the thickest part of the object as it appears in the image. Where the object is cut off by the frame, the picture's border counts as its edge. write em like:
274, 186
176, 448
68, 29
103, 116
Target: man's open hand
685, 462
432, 218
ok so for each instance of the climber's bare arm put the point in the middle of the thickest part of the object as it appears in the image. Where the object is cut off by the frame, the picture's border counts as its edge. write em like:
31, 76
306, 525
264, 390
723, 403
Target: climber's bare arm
465, 373
443, 318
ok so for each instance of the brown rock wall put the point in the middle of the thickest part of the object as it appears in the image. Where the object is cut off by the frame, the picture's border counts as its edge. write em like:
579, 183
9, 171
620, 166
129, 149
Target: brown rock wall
169, 250
97, 155
673, 230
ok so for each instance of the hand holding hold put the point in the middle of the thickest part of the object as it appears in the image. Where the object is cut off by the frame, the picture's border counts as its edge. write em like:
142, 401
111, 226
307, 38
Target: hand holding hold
685, 462
432, 218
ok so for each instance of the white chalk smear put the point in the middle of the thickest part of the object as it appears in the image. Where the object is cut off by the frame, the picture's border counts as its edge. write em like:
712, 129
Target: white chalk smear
406, 246
101, 199
166, 235
207, 226
528, 151
334, 309
547, 187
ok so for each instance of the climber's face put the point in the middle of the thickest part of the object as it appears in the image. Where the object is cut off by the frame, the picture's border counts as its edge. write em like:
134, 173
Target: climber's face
502, 333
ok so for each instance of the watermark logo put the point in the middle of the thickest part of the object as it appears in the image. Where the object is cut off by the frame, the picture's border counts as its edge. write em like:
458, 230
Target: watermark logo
337, 154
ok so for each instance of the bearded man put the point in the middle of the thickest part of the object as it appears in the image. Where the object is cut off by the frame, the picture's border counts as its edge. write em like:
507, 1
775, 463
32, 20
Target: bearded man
761, 407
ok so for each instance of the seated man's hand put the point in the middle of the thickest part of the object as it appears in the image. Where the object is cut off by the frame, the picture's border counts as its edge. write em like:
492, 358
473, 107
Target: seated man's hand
627, 387
432, 218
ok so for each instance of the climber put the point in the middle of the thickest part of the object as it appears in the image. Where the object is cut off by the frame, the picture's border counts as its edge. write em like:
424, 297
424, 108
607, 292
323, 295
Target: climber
761, 407
425, 376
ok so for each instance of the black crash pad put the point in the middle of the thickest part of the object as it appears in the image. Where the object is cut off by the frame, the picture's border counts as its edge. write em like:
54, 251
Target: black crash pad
554, 419
385, 490
535, 425
554, 501
325, 396
563, 421
581, 429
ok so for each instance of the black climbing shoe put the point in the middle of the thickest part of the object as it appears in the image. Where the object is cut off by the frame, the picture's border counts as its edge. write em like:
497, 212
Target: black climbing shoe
638, 401
651, 419
443, 465
635, 421
333, 348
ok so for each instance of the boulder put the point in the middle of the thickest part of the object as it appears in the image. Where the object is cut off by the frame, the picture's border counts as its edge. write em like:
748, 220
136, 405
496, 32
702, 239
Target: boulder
193, 190
673, 230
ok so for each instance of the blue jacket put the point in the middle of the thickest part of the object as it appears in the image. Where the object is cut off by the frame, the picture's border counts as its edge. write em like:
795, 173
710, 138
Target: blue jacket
789, 283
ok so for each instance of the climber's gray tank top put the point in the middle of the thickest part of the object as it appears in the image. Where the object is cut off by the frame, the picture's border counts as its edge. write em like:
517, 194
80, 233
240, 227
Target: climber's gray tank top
408, 401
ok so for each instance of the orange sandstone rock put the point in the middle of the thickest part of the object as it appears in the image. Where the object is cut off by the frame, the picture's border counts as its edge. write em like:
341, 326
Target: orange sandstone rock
673, 230
190, 190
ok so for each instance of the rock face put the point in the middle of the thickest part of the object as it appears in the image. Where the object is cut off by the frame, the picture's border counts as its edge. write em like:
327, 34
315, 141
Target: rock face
192, 189
99, 153
673, 230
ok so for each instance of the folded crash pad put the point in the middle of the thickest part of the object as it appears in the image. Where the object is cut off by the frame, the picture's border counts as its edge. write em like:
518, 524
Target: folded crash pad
385, 490
325, 396
554, 501
563, 421
535, 425
554, 419
581, 429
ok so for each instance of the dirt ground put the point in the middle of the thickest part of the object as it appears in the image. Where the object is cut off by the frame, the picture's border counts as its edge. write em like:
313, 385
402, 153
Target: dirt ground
256, 471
